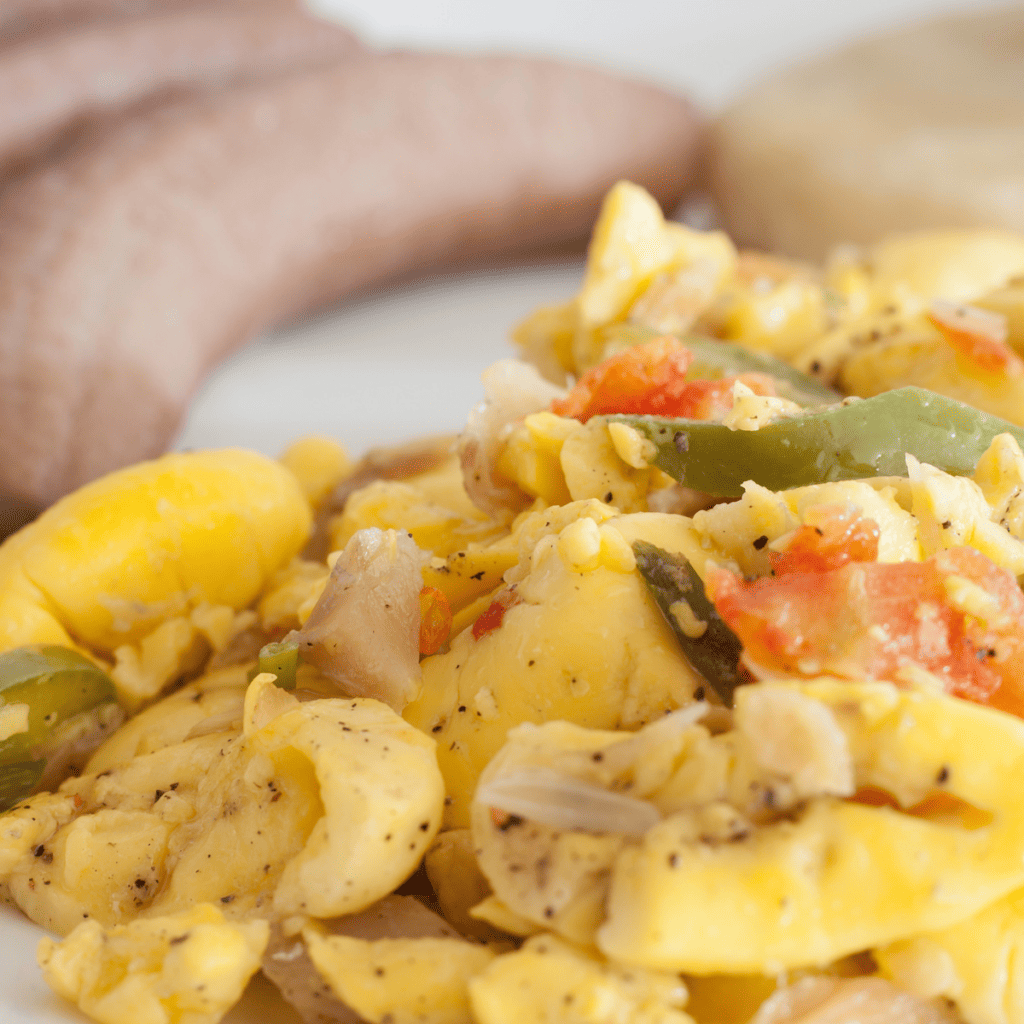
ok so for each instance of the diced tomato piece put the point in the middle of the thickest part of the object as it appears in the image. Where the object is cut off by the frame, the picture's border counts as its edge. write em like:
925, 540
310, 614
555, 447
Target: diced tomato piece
830, 536
872, 796
628, 380
651, 380
491, 618
712, 399
977, 334
936, 806
435, 620
869, 620
503, 820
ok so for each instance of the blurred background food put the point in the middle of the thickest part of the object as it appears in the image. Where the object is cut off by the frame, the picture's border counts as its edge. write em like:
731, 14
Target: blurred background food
441, 333
181, 179
54, 82
915, 128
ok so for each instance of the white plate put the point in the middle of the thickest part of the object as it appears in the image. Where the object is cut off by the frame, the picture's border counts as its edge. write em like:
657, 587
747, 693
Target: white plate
380, 370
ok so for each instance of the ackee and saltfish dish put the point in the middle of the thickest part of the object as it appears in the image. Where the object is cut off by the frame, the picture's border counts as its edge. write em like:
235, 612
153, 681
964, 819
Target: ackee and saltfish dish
685, 685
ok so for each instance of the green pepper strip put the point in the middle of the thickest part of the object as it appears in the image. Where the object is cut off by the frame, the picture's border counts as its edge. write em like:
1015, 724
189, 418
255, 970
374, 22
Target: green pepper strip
715, 654
714, 359
19, 780
279, 659
868, 437
58, 685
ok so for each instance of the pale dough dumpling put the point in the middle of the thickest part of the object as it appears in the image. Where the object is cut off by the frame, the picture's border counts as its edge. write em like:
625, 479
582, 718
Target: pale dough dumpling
917, 128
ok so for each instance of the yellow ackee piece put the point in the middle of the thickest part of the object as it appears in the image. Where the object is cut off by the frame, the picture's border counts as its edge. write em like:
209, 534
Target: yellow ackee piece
142, 670
632, 249
546, 337
593, 469
916, 517
468, 578
909, 270
898, 532
109, 563
727, 998
915, 352
465, 576
631, 243
659, 848
319, 464
584, 644
953, 512
291, 593
740, 533
886, 289
377, 828
211, 703
976, 963
1000, 475
772, 305
531, 456
560, 460
490, 911
399, 981
318, 808
457, 881
188, 968
177, 646
432, 506
843, 876
552, 982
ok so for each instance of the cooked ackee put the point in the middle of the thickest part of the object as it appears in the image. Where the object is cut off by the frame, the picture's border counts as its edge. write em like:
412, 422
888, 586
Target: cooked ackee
686, 686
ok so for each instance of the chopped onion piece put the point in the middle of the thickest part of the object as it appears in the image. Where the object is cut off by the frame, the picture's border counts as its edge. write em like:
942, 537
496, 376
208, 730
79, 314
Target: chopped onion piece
798, 738
227, 721
831, 1000
364, 632
512, 390
620, 757
561, 801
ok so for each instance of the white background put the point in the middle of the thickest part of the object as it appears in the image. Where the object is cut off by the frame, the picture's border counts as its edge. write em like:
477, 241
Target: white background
407, 360
709, 48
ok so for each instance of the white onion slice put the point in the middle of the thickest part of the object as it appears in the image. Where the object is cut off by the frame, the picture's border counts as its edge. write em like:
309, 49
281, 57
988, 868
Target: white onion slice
965, 319
561, 801
830, 1000
364, 631
512, 390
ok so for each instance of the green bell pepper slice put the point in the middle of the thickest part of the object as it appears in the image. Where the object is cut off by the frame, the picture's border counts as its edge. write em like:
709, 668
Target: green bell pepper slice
713, 359
715, 653
860, 438
71, 704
